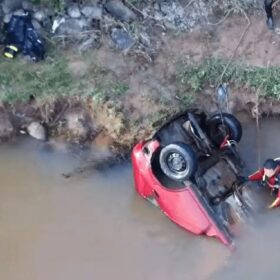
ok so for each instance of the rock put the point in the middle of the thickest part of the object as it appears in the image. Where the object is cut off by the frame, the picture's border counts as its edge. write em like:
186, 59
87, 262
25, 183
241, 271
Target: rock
74, 11
41, 15
92, 12
19, 12
6, 128
7, 18
174, 15
27, 6
9, 6
121, 38
119, 11
37, 25
72, 26
91, 2
37, 131
92, 42
76, 125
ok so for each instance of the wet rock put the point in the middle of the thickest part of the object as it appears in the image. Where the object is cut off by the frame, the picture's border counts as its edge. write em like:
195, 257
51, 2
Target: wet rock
119, 11
92, 12
6, 128
9, 6
121, 38
37, 131
74, 11
73, 26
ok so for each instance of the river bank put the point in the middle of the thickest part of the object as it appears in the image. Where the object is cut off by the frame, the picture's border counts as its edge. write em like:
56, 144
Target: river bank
112, 98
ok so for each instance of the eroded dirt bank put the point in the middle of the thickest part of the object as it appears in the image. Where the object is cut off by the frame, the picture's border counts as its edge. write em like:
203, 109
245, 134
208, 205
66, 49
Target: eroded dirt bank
148, 92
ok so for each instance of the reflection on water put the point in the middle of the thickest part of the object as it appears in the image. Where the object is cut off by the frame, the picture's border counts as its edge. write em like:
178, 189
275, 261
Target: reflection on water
96, 227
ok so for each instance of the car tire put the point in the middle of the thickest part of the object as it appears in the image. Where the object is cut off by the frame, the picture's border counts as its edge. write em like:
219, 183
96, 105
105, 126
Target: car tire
217, 125
178, 161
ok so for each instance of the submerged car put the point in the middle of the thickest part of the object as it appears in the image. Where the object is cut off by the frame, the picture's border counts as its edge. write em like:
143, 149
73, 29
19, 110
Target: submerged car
190, 169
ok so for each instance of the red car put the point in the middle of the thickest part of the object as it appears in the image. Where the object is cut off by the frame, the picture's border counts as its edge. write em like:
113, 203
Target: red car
190, 168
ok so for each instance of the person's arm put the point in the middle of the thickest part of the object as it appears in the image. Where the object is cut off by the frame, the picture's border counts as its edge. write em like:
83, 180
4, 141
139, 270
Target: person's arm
257, 176
275, 203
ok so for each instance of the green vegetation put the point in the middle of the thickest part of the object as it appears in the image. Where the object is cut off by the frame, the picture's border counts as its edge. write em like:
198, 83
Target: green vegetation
53, 78
108, 91
58, 5
135, 2
194, 77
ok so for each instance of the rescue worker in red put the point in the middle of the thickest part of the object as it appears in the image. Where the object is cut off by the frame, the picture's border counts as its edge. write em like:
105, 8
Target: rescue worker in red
269, 176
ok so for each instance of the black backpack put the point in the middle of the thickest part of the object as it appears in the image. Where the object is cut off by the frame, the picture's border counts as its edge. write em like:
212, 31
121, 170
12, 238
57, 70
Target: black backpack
21, 36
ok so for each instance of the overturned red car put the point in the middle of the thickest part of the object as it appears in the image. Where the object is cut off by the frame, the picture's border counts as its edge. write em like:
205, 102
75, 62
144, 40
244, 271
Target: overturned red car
190, 169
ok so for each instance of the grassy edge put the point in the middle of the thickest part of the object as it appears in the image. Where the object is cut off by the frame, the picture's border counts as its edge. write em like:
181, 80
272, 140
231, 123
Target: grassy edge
194, 77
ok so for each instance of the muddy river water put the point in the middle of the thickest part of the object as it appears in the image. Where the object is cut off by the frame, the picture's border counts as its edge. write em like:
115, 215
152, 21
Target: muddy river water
94, 226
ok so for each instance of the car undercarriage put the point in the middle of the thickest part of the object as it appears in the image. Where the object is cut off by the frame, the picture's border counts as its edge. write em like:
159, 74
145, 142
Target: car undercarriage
194, 159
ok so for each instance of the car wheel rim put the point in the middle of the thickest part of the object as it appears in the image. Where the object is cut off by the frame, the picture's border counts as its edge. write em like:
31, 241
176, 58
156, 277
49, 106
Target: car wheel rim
176, 163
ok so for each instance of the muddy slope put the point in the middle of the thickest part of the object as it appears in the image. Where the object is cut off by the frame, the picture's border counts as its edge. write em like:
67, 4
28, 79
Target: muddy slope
153, 91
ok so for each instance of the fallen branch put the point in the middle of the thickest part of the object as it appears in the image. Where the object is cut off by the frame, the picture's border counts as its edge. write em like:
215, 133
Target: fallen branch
98, 165
132, 7
190, 3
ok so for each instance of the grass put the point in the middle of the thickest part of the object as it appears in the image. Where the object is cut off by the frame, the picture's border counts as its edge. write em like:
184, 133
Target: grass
195, 77
112, 90
52, 78
58, 5
20, 79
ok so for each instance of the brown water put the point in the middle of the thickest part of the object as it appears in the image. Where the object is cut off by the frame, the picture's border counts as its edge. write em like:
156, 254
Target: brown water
258, 253
96, 227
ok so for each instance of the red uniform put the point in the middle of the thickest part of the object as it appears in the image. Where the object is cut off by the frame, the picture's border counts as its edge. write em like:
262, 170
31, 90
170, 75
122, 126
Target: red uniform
272, 182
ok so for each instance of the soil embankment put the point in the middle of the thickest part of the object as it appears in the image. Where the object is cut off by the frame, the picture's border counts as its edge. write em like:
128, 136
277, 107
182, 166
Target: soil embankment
112, 97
